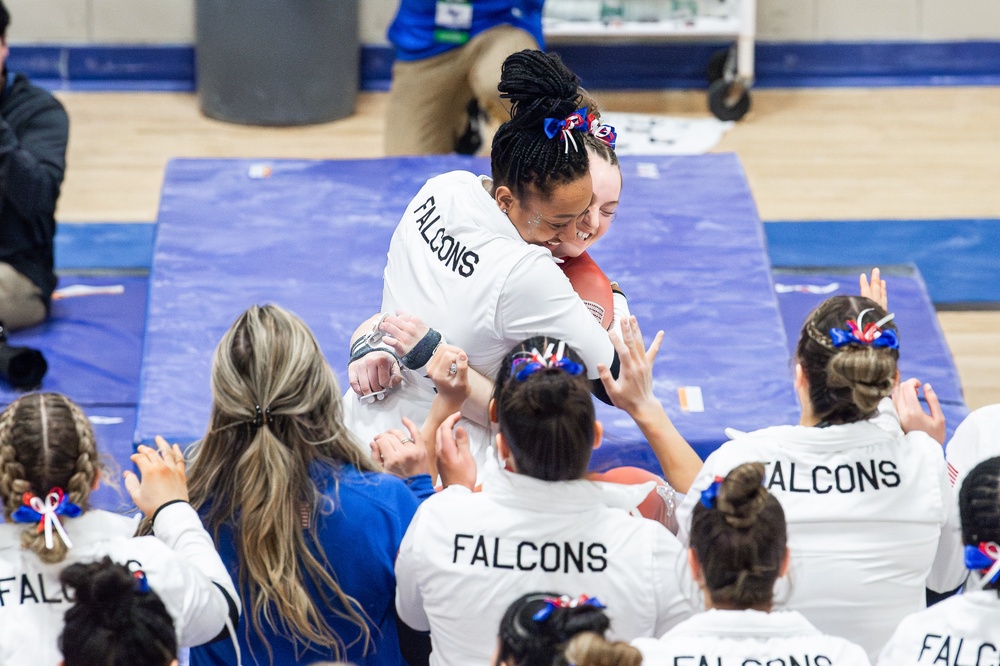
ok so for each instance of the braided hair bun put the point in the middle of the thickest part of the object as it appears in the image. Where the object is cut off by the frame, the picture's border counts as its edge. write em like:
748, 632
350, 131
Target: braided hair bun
115, 620
538, 86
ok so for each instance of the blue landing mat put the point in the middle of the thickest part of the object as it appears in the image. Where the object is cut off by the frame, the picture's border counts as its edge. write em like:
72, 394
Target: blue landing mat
687, 247
924, 354
93, 344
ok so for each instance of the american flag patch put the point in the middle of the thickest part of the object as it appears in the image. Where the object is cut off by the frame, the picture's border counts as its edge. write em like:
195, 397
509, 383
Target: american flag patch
952, 474
595, 310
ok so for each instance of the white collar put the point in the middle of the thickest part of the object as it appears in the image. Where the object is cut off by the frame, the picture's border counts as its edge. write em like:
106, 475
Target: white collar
518, 490
745, 623
93, 526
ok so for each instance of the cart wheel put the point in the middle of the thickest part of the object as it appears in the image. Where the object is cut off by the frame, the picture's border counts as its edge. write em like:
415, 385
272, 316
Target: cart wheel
728, 100
716, 68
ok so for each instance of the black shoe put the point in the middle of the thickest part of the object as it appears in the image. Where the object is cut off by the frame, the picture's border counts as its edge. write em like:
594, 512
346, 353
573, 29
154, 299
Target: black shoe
471, 140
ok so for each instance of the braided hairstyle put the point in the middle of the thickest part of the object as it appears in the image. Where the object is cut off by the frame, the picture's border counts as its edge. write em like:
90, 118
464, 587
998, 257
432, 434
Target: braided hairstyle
538, 86
525, 641
46, 442
113, 622
741, 542
845, 384
547, 419
979, 507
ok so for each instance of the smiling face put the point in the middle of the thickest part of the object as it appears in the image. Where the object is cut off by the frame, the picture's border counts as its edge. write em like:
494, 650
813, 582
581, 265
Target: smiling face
547, 221
594, 223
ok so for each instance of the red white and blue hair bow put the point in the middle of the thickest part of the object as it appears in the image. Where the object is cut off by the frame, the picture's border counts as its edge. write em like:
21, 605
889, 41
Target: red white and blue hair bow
870, 334
552, 603
606, 134
984, 558
710, 494
574, 121
46, 513
531, 362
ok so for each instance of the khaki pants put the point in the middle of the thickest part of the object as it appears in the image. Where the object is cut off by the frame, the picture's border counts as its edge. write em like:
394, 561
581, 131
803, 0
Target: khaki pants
427, 101
21, 303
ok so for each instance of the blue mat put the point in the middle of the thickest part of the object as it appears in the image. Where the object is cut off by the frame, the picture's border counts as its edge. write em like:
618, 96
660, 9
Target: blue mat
93, 345
923, 351
958, 258
687, 247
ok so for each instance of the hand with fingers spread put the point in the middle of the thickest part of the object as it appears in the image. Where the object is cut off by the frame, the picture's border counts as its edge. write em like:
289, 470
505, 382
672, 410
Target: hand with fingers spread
449, 370
912, 415
401, 454
163, 476
875, 289
632, 392
454, 458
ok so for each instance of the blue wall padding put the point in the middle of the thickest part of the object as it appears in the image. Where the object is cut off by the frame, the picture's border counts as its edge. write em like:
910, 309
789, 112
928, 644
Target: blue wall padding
923, 352
687, 248
958, 258
93, 344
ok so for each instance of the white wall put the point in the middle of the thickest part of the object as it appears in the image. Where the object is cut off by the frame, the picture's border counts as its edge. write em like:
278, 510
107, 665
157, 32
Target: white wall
171, 21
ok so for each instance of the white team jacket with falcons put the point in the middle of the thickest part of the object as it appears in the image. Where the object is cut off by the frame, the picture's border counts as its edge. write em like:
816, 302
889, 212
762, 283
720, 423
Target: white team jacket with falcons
872, 520
749, 638
960, 631
180, 562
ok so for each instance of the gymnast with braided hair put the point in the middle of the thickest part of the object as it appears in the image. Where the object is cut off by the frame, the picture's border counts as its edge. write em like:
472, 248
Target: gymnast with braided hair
116, 619
738, 551
473, 256
49, 464
550, 629
964, 628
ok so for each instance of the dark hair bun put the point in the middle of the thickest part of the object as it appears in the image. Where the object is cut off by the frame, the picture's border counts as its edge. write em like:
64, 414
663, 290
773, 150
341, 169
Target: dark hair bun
106, 590
742, 495
538, 86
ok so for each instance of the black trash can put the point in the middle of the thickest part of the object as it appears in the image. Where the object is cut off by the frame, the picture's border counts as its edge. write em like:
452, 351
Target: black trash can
277, 62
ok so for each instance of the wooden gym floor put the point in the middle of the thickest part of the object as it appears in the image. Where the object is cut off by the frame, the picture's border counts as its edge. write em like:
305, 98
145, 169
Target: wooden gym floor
809, 154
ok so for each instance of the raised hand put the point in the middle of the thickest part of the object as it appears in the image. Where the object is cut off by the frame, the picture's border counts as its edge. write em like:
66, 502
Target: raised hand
876, 289
633, 390
912, 416
401, 454
454, 458
163, 476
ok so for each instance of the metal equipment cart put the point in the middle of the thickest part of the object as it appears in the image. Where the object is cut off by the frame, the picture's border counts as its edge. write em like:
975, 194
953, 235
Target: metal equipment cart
730, 72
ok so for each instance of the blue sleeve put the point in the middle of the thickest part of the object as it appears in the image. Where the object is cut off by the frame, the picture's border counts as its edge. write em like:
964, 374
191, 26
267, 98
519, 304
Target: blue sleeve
421, 486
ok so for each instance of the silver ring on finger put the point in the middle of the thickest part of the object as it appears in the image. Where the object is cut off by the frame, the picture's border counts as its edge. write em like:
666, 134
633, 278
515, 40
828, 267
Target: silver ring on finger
453, 370
406, 440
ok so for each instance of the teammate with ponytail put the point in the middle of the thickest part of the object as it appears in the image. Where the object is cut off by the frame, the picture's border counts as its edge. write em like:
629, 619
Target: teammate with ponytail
472, 255
548, 629
48, 466
305, 520
871, 515
966, 626
738, 551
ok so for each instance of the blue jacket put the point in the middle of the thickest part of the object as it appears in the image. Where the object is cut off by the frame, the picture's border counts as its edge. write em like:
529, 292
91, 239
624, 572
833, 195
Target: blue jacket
412, 31
360, 538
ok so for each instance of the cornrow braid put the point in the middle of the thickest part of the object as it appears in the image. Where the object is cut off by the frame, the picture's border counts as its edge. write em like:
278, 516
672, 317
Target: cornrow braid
538, 86
45, 442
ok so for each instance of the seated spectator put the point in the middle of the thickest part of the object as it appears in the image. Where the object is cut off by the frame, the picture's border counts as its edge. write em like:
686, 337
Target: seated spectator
962, 629
552, 629
306, 522
34, 130
116, 619
538, 524
738, 551
49, 464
